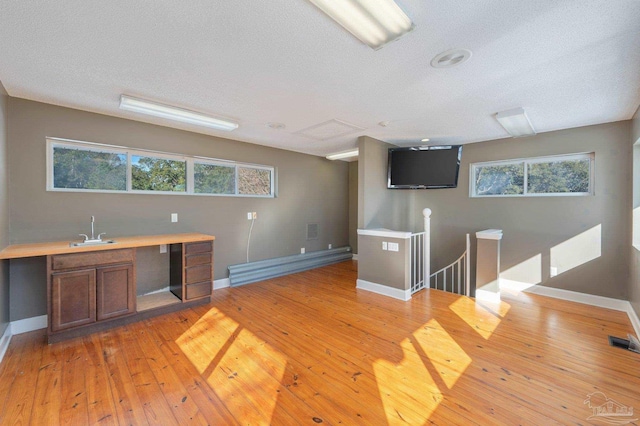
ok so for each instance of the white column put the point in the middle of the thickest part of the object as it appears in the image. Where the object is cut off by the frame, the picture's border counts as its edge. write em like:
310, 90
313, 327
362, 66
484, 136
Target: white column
488, 265
427, 247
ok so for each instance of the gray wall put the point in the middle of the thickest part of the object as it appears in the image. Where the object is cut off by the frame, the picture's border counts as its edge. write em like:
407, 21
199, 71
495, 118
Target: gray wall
534, 227
353, 206
634, 264
591, 234
384, 267
379, 207
4, 212
310, 190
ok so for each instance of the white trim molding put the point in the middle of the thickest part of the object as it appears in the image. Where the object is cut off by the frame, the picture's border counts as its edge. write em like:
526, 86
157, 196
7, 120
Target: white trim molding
384, 290
354, 257
387, 233
28, 324
4, 341
574, 296
221, 283
633, 317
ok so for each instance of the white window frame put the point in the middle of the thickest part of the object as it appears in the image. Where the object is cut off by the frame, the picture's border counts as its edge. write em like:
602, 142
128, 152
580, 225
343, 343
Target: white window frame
526, 162
129, 152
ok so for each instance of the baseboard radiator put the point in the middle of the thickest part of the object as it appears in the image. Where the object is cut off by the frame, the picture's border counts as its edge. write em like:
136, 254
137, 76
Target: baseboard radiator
245, 273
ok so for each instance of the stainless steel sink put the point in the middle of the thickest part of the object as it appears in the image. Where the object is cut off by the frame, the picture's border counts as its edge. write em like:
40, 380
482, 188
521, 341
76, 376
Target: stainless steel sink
92, 240
92, 243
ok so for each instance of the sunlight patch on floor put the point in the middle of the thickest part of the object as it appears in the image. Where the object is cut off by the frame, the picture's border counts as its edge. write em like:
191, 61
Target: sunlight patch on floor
241, 368
407, 381
203, 340
447, 357
478, 317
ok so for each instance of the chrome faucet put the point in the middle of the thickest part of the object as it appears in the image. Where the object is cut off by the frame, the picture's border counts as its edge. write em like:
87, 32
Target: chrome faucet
93, 238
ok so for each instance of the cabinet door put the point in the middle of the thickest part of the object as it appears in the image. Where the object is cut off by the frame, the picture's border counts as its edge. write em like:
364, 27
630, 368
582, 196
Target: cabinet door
73, 299
115, 292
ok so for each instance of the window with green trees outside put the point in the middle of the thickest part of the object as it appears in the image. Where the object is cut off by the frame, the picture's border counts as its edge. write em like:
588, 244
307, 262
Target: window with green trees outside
88, 167
540, 176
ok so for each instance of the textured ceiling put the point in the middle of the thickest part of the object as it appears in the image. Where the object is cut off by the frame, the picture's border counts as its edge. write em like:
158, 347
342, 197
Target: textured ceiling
568, 63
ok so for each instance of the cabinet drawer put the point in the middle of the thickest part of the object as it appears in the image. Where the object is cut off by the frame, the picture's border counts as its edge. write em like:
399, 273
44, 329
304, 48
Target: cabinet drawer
203, 247
195, 274
198, 290
198, 259
81, 260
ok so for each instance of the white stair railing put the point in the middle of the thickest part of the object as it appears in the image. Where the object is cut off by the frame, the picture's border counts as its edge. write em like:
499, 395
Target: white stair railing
420, 255
456, 277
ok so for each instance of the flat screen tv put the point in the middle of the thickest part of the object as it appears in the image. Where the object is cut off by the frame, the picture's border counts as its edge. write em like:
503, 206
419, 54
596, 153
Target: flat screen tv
424, 167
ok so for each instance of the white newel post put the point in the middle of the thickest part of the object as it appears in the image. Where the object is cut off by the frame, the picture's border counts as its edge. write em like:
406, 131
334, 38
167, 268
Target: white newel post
427, 247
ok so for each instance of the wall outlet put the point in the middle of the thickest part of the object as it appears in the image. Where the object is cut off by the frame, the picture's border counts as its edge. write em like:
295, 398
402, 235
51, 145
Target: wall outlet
394, 247
384, 245
249, 216
330, 246
174, 217
163, 248
302, 250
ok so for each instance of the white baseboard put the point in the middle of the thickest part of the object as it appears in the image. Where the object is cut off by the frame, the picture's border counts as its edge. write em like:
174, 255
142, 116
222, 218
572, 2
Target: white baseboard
633, 317
221, 283
384, 290
28, 324
574, 296
355, 257
4, 341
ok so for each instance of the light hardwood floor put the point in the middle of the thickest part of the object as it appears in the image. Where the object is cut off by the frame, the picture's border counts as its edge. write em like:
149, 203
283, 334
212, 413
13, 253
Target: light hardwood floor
309, 348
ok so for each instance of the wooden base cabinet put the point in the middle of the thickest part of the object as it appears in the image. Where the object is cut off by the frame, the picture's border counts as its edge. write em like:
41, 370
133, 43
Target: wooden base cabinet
116, 292
73, 299
192, 270
87, 288
91, 290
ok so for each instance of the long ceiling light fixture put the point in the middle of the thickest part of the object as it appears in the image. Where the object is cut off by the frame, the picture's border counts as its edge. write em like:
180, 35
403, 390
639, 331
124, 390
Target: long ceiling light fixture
343, 155
516, 122
174, 113
374, 23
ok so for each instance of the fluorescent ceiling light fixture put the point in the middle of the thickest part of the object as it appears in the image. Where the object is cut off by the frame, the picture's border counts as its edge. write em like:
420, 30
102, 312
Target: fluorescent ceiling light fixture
343, 154
516, 122
174, 113
373, 22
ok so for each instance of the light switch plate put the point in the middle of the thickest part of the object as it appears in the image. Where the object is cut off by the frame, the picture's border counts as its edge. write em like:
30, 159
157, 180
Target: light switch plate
163, 248
394, 247
174, 217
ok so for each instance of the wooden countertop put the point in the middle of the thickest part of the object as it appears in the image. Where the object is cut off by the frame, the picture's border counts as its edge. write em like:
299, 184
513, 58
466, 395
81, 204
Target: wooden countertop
16, 251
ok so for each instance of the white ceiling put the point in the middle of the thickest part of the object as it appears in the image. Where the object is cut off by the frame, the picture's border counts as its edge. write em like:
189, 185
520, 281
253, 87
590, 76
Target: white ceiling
569, 63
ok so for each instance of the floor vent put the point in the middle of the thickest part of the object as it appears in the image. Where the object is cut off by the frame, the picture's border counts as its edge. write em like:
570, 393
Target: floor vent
630, 345
260, 270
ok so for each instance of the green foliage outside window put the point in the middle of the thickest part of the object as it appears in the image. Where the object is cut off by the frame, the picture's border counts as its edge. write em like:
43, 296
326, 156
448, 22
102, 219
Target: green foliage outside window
558, 177
500, 180
214, 179
74, 165
83, 169
157, 174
